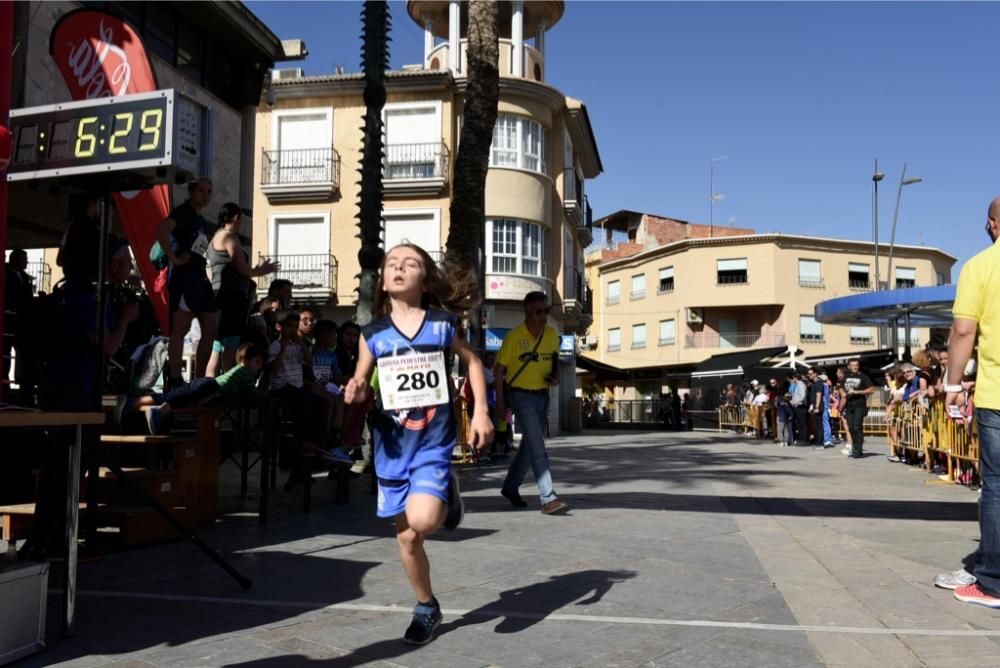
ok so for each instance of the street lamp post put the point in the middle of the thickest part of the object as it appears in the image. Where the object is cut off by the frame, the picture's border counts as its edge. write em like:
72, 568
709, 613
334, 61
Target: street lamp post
903, 181
876, 177
713, 197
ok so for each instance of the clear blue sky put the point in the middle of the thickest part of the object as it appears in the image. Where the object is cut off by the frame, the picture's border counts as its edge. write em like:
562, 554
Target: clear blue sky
802, 97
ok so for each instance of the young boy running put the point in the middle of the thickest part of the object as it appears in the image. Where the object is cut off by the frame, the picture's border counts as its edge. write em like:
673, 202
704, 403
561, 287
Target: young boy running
410, 340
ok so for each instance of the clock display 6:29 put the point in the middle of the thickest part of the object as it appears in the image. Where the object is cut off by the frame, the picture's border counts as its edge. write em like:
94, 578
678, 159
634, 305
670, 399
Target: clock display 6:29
131, 130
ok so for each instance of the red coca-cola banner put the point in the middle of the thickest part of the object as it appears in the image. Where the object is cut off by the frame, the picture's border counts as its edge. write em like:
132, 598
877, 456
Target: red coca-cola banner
101, 56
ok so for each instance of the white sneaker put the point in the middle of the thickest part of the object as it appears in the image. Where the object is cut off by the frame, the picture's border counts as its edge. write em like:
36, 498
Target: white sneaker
955, 579
845, 451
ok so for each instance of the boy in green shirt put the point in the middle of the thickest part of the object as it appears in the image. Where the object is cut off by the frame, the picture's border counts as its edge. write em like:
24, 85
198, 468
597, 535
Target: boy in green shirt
240, 381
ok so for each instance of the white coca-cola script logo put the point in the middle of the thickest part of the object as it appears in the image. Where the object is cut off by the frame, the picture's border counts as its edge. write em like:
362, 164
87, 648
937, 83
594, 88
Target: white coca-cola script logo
87, 63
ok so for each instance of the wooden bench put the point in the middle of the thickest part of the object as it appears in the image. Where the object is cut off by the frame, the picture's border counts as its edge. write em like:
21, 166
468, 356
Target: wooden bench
16, 520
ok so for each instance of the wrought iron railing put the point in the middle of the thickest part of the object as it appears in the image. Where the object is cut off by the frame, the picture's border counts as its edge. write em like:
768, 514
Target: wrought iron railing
308, 272
733, 278
811, 282
573, 188
859, 283
301, 166
427, 160
42, 273
734, 340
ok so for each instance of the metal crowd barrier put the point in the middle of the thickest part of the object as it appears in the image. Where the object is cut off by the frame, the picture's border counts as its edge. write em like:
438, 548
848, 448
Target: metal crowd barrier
732, 418
930, 433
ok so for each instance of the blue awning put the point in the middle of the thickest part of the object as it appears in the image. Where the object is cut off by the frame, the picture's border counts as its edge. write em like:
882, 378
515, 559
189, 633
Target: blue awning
927, 307
494, 338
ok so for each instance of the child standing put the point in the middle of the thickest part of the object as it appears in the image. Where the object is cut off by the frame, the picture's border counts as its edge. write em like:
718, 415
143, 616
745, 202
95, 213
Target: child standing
786, 419
410, 341
286, 359
327, 382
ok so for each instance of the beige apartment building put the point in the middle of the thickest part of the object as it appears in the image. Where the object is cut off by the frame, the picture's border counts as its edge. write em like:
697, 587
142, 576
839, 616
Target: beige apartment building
672, 296
538, 220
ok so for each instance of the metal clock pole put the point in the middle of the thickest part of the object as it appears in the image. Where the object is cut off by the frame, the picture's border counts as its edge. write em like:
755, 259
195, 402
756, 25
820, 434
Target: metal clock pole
101, 366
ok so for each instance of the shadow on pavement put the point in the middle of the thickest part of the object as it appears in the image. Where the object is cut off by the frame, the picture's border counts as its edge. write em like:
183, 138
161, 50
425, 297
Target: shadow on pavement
117, 624
516, 610
680, 464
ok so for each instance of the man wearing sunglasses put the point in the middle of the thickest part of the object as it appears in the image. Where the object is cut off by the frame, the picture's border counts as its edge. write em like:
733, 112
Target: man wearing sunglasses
528, 365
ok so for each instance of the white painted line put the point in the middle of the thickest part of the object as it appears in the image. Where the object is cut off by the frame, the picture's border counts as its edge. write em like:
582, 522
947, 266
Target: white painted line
555, 616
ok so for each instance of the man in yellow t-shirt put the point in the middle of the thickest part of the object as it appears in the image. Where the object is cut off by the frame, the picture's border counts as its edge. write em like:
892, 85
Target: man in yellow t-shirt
977, 310
528, 363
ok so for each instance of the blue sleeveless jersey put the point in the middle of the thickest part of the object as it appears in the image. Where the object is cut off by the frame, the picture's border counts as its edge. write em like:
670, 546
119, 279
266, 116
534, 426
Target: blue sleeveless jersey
401, 435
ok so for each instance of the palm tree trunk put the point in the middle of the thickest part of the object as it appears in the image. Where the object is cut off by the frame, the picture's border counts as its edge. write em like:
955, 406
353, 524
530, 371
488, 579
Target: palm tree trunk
375, 61
468, 202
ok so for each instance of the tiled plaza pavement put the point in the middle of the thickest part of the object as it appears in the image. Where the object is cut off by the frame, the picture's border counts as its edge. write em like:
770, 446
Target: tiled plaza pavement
694, 549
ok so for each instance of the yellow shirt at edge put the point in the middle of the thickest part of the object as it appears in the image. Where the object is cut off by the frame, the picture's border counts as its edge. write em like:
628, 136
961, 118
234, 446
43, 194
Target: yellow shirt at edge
975, 299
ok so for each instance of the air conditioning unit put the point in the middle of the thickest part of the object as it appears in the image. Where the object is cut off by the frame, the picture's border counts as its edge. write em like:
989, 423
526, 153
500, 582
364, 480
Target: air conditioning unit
695, 316
287, 74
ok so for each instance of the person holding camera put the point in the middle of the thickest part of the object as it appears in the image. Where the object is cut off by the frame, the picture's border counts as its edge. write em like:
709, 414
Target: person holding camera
528, 364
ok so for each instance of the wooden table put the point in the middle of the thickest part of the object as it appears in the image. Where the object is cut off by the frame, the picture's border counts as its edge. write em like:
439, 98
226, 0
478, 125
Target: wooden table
36, 419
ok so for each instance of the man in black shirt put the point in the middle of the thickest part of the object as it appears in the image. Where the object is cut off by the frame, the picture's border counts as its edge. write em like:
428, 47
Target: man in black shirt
858, 387
17, 299
817, 414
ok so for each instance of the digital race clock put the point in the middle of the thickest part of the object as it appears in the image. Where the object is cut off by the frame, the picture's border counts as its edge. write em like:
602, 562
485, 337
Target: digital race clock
156, 137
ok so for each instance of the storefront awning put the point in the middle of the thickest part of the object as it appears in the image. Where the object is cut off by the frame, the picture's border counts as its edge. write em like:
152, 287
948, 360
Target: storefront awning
603, 371
738, 360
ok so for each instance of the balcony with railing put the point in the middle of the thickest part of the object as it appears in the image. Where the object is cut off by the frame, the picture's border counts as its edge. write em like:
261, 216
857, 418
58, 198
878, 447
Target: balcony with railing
300, 174
733, 340
41, 273
416, 169
573, 196
313, 277
576, 300
586, 230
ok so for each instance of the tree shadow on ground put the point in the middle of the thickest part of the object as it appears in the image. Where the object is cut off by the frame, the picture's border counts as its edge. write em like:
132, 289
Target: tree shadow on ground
516, 609
679, 464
